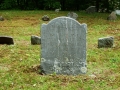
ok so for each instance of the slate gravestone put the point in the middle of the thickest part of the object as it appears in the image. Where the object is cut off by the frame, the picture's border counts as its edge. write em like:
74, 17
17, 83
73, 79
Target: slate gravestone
72, 15
105, 42
63, 47
6, 40
117, 12
112, 16
57, 10
91, 9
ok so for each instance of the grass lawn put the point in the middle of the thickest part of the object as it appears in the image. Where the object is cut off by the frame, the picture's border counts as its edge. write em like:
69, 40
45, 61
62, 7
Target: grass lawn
19, 63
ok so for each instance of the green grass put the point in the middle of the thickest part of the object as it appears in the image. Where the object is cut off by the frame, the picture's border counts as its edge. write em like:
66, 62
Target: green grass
19, 63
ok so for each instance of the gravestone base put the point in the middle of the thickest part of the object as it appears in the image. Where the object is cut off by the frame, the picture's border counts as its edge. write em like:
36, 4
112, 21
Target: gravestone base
69, 67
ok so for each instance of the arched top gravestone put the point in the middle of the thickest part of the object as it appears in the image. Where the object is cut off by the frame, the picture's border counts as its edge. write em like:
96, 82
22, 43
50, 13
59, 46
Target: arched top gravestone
63, 47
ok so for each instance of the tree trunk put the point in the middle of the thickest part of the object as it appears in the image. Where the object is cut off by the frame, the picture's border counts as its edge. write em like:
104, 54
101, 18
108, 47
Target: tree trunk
97, 5
18, 3
62, 2
107, 5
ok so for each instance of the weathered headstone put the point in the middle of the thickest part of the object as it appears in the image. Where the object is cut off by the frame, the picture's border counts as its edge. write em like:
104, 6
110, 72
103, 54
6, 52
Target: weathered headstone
6, 40
63, 47
72, 15
91, 9
112, 16
35, 40
117, 12
1, 18
45, 18
57, 10
105, 42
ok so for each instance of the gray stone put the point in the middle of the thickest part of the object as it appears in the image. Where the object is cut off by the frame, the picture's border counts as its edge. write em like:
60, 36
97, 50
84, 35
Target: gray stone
112, 16
35, 40
45, 18
63, 47
91, 9
105, 42
1, 18
117, 12
57, 10
72, 15
6, 40
92, 76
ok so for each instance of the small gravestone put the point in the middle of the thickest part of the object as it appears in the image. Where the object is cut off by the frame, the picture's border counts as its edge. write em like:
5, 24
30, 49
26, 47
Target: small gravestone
6, 40
117, 12
106, 42
91, 9
35, 40
63, 47
112, 16
45, 18
57, 10
1, 18
72, 15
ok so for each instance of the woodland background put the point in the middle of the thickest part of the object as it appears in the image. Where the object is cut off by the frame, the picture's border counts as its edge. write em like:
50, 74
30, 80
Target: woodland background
64, 5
